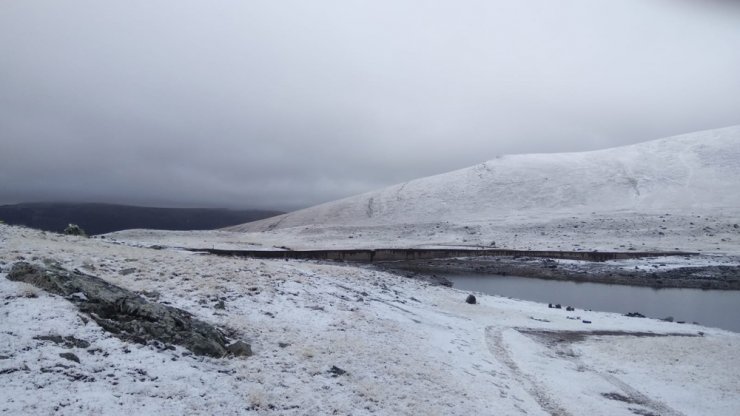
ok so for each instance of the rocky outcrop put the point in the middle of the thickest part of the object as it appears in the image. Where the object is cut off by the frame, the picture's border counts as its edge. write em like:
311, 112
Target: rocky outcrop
127, 315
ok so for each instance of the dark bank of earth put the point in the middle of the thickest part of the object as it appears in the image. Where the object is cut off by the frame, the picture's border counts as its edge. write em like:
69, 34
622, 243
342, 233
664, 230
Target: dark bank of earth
125, 314
700, 277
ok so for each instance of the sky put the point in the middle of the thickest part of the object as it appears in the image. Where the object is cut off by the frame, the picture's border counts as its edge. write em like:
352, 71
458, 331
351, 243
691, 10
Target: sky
286, 104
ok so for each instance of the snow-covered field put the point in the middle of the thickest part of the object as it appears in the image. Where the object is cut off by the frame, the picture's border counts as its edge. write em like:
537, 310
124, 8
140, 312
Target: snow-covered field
336, 339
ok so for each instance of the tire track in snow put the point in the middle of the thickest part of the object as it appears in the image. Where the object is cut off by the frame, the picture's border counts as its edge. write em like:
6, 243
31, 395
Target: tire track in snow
495, 342
634, 396
637, 397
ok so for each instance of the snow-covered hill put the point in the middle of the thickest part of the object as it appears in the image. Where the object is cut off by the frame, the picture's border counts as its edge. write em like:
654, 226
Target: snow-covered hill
693, 171
645, 194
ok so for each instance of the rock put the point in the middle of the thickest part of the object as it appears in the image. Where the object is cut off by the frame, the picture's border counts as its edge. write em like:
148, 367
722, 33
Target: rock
126, 272
667, 319
586, 322
240, 349
66, 342
470, 299
336, 371
151, 294
558, 306
74, 229
220, 305
570, 309
122, 312
69, 356
635, 315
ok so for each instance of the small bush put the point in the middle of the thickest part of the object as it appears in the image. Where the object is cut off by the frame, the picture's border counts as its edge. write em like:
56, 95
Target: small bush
74, 229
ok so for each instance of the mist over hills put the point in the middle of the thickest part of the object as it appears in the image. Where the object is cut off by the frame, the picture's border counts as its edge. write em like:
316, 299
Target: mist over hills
105, 218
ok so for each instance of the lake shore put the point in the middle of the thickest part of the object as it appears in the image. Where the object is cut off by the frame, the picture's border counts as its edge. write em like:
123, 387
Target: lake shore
699, 272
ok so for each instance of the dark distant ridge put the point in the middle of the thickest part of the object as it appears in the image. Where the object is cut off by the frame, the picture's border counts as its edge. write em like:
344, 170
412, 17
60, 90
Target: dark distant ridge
105, 218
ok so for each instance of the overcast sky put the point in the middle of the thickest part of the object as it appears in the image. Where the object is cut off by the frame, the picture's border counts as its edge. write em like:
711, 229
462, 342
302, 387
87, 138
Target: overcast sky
285, 104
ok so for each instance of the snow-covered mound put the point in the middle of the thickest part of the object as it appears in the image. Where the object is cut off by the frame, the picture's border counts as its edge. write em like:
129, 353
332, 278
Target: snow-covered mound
697, 171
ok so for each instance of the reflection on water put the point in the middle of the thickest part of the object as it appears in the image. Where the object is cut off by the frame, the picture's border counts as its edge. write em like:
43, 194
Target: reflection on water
717, 308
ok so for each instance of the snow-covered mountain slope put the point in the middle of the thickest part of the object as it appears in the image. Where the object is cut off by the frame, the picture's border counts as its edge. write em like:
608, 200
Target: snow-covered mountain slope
678, 192
689, 172
333, 339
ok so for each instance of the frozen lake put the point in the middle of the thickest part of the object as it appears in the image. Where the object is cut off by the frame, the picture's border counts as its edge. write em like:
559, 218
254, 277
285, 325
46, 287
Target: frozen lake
716, 308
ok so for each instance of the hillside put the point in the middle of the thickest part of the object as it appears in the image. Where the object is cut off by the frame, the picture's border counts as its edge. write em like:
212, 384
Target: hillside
692, 171
677, 192
105, 218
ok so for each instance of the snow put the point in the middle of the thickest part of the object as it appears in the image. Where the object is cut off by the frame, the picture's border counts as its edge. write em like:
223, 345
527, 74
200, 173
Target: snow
407, 347
678, 192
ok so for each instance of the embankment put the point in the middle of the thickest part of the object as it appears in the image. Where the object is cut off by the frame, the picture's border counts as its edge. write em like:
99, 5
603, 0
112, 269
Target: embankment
410, 254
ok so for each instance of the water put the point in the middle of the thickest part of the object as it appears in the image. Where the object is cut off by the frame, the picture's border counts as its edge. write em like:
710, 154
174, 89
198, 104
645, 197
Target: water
716, 308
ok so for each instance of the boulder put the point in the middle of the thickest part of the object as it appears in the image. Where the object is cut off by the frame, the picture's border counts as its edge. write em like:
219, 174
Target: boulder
69, 356
240, 349
122, 312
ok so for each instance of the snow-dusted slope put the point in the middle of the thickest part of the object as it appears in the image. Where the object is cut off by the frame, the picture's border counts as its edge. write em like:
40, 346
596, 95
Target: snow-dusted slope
675, 193
697, 171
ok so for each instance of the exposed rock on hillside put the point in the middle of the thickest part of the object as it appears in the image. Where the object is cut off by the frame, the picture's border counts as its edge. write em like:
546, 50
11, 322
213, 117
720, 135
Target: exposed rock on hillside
125, 314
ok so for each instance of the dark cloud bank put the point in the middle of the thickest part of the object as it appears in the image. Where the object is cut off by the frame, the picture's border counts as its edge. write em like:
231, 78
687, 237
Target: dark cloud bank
286, 104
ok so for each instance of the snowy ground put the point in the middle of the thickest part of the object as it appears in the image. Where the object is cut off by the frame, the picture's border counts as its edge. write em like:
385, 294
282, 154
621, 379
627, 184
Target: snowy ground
718, 233
406, 347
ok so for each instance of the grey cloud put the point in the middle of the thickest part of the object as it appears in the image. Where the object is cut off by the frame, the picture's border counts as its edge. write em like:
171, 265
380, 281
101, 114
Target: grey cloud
287, 104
